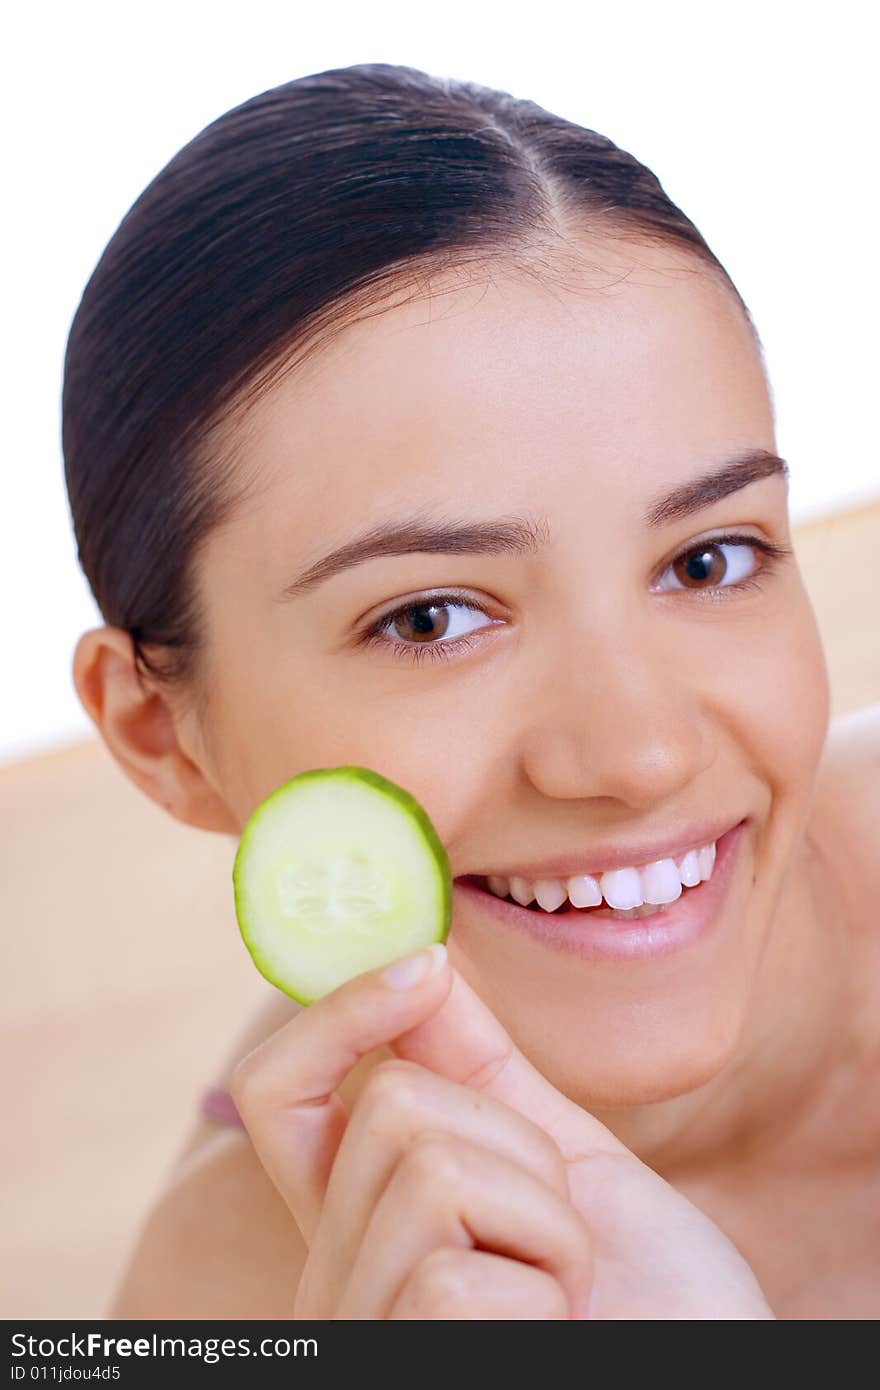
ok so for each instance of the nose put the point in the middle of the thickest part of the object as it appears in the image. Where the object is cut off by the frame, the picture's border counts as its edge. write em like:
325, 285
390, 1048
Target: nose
625, 720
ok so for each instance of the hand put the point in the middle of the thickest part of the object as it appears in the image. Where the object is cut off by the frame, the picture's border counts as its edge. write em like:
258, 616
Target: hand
461, 1144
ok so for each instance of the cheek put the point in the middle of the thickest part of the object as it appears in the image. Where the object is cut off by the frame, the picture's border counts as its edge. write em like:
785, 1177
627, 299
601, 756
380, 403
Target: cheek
787, 690
267, 732
770, 689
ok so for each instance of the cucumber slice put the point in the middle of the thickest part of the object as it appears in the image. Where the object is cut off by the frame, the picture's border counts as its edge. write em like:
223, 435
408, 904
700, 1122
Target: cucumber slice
338, 871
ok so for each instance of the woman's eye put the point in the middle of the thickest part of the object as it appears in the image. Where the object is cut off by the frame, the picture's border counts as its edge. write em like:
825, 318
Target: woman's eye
424, 627
437, 626
720, 563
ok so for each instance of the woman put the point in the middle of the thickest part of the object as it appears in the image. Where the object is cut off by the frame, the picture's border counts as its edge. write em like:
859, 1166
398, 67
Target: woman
408, 425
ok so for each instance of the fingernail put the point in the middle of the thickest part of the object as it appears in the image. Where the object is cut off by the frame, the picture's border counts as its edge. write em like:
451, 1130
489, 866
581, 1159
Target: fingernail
412, 969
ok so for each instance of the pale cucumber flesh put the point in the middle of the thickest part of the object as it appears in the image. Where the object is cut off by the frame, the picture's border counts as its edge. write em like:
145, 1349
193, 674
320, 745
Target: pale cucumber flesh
338, 871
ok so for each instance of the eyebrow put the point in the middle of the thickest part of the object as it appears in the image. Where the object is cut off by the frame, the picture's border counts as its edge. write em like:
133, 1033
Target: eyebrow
520, 535
710, 487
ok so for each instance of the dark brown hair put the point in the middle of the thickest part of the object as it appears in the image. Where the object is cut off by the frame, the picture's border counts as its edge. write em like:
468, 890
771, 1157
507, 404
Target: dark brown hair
279, 224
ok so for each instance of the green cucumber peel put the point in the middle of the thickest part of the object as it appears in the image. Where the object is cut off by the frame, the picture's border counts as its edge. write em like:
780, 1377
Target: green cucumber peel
338, 871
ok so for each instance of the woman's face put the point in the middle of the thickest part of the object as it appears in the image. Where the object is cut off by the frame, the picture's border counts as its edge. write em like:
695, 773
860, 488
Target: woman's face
590, 691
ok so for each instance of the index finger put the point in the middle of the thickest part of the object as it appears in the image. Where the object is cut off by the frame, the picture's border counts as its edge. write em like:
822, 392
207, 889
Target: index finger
284, 1089
465, 1042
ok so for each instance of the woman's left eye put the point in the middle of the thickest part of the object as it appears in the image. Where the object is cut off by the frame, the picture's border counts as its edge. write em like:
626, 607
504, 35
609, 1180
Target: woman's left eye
424, 629
706, 566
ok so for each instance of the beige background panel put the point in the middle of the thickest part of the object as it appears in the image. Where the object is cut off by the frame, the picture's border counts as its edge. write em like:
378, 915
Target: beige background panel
127, 982
839, 560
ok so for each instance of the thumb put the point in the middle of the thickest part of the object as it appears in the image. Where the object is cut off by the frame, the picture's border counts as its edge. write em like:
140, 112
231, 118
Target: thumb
464, 1041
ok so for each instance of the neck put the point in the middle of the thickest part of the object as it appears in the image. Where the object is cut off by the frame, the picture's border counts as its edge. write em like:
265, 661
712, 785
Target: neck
799, 1036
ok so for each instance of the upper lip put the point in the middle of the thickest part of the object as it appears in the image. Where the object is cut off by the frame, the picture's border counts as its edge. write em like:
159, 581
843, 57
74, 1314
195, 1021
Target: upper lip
616, 856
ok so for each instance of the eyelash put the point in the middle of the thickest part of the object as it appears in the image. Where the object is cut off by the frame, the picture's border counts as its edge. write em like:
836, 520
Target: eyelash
440, 650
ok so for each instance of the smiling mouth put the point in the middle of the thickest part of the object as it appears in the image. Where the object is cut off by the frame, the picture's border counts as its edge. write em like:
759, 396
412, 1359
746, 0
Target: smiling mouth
613, 934
567, 908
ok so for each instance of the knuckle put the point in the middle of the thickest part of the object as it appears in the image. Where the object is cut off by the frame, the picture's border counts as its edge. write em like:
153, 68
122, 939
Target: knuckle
390, 1086
440, 1279
432, 1160
550, 1156
551, 1300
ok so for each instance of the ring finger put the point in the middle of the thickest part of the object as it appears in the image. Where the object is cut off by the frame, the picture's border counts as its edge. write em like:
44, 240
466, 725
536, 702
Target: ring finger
447, 1192
474, 1285
399, 1101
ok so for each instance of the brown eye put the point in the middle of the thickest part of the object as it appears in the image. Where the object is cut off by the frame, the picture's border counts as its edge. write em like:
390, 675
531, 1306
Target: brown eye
435, 625
705, 565
726, 563
421, 622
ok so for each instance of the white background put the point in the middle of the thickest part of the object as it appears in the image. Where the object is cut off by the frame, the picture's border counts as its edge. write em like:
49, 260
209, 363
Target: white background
759, 119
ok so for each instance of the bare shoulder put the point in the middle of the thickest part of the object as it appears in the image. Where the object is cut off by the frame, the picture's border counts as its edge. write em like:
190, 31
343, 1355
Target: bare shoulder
845, 824
855, 736
846, 810
219, 1243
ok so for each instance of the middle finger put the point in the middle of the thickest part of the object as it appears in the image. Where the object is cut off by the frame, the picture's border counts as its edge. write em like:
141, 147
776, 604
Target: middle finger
447, 1193
399, 1101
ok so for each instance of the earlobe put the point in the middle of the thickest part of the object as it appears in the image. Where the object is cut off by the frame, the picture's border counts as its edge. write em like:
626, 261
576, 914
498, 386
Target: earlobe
137, 725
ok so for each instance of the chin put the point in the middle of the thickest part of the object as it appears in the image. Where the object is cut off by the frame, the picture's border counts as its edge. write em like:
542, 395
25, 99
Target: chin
622, 1044
656, 1059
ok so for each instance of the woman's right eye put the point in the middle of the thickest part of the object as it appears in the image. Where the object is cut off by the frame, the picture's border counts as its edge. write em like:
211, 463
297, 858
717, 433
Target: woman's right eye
422, 628
425, 629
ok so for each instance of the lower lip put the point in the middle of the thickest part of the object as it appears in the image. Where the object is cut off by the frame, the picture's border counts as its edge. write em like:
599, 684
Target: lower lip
678, 925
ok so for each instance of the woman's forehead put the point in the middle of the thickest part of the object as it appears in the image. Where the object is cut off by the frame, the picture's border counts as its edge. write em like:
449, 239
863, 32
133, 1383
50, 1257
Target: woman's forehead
508, 374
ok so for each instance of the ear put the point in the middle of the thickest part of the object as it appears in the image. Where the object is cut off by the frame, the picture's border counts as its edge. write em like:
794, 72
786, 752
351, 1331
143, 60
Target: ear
138, 723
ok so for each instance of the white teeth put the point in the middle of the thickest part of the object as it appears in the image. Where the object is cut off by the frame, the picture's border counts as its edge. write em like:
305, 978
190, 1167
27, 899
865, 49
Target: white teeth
625, 890
521, 891
622, 888
661, 882
550, 893
498, 885
584, 891
646, 910
689, 869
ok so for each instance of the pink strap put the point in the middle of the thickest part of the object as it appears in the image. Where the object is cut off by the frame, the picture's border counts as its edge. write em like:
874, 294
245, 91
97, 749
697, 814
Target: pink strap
219, 1106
